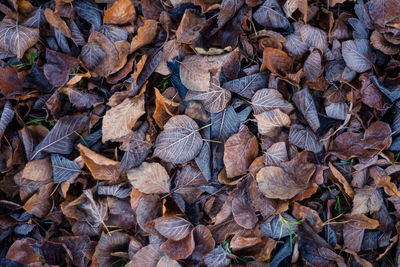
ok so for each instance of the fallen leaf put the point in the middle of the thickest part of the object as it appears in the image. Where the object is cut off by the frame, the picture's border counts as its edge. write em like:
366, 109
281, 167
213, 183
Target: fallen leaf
100, 167
358, 55
149, 178
275, 183
240, 151
269, 99
304, 138
275, 154
17, 38
63, 168
120, 119
270, 15
63, 135
277, 61
121, 12
305, 103
339, 179
57, 22
269, 122
178, 250
145, 34
165, 109
175, 228
180, 141
58, 67
366, 199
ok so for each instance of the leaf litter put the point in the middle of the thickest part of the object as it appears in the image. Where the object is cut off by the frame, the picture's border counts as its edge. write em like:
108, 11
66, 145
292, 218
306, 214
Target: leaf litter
199, 133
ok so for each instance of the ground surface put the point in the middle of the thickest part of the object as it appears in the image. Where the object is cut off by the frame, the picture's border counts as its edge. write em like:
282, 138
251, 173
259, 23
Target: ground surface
199, 133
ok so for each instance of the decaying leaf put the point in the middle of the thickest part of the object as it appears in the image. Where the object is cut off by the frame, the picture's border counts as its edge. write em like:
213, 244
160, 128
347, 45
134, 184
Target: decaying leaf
270, 121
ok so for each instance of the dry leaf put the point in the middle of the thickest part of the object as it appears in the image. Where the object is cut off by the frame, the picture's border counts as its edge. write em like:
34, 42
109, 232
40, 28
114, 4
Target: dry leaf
145, 34
121, 12
149, 178
100, 167
269, 122
120, 119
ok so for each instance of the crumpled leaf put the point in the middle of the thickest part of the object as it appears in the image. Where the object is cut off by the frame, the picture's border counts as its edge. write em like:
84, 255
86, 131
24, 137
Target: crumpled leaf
145, 34
180, 141
121, 12
100, 167
149, 178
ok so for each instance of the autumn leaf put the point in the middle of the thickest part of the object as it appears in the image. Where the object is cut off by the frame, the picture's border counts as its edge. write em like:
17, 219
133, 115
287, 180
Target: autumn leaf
121, 12
149, 178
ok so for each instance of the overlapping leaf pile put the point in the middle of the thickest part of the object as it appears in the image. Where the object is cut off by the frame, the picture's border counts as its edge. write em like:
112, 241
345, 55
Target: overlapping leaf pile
199, 133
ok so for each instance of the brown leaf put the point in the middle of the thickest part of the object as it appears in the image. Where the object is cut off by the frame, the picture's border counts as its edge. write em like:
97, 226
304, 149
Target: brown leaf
21, 251
174, 228
269, 122
195, 71
277, 61
165, 109
40, 203
240, 151
186, 182
16, 38
170, 51
189, 27
38, 171
242, 211
121, 12
339, 179
370, 95
145, 34
149, 178
292, 5
275, 183
378, 136
107, 244
366, 199
178, 250
269, 99
308, 215
379, 42
99, 55
204, 242
57, 22
180, 141
11, 81
120, 119
100, 167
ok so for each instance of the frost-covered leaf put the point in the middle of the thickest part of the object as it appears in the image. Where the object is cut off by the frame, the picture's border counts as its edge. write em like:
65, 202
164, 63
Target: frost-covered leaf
304, 138
180, 141
63, 168
358, 55
269, 99
149, 178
